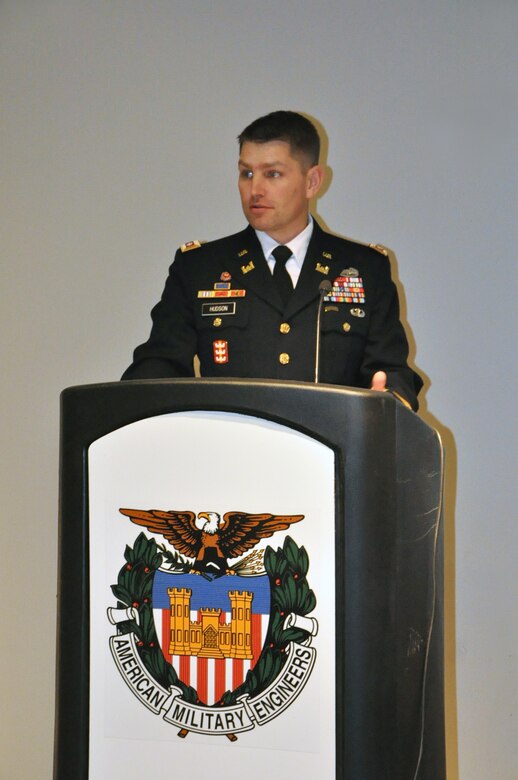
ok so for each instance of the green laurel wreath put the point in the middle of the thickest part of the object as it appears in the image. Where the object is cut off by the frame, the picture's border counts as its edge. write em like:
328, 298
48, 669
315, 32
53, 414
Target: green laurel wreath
286, 568
134, 589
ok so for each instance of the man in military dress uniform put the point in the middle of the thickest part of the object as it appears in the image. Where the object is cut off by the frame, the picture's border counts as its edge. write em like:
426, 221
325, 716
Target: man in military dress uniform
247, 304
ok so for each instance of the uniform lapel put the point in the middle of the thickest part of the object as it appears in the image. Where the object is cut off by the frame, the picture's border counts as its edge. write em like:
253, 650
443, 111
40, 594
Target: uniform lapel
249, 268
315, 269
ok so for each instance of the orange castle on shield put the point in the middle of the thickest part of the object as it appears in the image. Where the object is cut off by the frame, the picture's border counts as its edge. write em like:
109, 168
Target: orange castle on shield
208, 637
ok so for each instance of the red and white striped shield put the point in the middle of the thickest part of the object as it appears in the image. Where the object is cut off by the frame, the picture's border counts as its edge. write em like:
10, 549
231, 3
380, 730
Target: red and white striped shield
212, 631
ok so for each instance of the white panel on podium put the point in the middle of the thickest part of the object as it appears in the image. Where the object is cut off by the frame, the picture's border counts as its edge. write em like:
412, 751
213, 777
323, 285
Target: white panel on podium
211, 462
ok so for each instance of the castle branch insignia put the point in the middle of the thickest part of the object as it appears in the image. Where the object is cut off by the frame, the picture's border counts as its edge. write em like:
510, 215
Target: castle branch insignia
213, 642
322, 269
245, 269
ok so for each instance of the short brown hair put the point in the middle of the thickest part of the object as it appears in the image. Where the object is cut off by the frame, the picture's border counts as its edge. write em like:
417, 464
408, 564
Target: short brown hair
295, 129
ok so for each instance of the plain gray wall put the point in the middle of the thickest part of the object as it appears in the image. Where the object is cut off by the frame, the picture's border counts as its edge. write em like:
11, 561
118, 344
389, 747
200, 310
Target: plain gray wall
119, 121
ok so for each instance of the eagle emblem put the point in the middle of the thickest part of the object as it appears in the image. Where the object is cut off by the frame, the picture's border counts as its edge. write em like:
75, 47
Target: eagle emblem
209, 539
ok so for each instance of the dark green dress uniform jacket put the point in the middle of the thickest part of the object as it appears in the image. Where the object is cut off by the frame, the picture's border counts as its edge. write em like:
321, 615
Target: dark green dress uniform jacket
245, 331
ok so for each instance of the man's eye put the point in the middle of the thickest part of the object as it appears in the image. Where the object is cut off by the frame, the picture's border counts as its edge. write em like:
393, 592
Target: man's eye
245, 174
273, 174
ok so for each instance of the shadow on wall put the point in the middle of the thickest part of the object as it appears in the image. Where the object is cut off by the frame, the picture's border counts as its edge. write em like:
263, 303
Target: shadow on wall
450, 488
449, 504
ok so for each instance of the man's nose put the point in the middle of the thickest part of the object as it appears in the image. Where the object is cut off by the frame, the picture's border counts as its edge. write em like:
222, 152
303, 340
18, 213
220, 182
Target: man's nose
257, 188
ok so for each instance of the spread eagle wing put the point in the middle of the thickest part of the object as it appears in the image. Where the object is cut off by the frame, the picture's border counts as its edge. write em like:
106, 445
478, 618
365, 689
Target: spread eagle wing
177, 527
240, 531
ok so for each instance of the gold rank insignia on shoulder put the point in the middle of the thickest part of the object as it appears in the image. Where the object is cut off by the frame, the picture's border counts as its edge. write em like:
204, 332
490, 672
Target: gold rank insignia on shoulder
247, 268
327, 255
242, 252
190, 245
322, 269
379, 248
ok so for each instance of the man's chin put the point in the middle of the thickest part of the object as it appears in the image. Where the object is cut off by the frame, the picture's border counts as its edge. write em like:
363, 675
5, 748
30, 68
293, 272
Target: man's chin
259, 221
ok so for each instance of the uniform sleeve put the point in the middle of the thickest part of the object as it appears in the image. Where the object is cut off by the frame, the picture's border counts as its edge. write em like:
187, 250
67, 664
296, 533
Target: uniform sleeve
171, 347
387, 346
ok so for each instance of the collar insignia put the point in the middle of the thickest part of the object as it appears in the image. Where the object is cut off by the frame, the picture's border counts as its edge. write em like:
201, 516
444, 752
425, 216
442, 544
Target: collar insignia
322, 269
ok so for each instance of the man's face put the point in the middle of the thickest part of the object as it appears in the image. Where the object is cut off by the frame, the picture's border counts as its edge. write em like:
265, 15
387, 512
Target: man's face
275, 188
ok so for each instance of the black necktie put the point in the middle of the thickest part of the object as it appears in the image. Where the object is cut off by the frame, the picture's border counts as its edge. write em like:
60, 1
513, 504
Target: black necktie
280, 275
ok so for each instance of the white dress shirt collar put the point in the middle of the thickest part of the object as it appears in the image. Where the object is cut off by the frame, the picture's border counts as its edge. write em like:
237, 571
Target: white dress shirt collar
298, 245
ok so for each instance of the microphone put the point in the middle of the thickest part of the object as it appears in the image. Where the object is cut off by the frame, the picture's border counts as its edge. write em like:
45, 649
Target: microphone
323, 288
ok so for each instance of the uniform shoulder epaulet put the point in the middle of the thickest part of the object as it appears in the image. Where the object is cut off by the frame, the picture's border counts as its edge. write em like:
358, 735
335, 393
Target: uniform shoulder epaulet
190, 245
379, 248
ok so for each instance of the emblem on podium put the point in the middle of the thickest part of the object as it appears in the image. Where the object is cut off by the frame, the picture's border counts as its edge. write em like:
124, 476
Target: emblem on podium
213, 633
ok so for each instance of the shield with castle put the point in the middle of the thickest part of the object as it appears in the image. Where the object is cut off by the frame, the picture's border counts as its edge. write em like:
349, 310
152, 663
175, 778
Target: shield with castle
213, 630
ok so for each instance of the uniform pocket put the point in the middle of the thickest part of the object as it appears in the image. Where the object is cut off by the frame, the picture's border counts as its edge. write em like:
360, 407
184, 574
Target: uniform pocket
341, 319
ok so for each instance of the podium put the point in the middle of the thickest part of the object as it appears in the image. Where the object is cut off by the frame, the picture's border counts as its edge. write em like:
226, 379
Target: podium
250, 583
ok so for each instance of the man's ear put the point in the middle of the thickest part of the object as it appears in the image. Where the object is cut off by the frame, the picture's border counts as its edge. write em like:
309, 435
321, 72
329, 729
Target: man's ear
314, 180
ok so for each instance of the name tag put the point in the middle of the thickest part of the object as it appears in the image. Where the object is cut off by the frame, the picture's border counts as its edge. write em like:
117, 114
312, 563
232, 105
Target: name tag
212, 309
